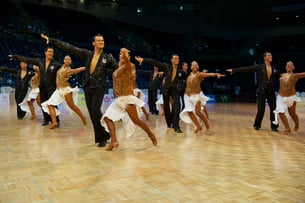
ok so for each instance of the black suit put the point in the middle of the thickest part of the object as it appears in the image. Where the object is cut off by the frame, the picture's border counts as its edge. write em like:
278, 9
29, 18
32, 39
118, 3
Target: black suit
21, 87
183, 90
153, 93
170, 89
94, 84
265, 90
47, 79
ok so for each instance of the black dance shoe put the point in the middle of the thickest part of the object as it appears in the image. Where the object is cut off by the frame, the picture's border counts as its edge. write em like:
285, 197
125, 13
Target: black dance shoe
274, 129
178, 130
45, 123
102, 144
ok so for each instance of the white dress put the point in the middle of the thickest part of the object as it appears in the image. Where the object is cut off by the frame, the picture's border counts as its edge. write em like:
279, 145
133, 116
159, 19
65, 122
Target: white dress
190, 103
136, 91
282, 105
58, 97
32, 95
117, 111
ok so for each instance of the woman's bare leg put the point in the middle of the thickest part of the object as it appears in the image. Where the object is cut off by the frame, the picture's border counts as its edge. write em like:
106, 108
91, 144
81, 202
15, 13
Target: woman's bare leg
38, 100
195, 121
201, 115
71, 104
162, 107
145, 113
52, 112
32, 109
284, 119
294, 116
206, 112
133, 114
114, 144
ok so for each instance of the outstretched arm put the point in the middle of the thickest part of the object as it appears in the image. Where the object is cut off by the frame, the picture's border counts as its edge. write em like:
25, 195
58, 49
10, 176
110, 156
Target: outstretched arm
205, 75
300, 75
243, 69
78, 52
6, 69
76, 70
153, 62
34, 61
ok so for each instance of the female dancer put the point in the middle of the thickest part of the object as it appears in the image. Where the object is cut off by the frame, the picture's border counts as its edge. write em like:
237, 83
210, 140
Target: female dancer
125, 101
194, 98
286, 99
63, 93
27, 104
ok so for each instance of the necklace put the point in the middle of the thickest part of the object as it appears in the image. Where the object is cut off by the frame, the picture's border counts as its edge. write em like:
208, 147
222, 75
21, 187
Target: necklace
286, 77
192, 77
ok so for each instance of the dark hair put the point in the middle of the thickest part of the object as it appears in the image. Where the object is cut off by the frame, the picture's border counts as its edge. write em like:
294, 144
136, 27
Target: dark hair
97, 35
174, 55
265, 53
48, 47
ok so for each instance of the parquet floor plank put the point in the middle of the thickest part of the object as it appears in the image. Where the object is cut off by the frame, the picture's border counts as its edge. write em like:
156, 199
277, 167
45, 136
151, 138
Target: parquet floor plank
230, 163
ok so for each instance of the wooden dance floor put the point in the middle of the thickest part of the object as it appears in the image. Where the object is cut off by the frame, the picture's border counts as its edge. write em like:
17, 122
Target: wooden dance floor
232, 163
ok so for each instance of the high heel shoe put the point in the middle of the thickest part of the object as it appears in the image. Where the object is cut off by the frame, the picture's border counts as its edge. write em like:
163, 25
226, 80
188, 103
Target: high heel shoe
147, 116
296, 127
112, 146
198, 130
153, 139
53, 125
84, 121
287, 131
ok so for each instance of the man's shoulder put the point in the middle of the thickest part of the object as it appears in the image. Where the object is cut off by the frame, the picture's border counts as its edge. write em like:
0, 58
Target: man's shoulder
108, 55
55, 62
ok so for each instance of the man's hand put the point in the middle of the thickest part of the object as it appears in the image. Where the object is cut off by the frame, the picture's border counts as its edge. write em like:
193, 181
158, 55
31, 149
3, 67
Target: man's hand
139, 59
45, 37
230, 70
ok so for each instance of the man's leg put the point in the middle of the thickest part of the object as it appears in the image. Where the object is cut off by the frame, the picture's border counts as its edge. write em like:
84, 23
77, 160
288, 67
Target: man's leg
261, 99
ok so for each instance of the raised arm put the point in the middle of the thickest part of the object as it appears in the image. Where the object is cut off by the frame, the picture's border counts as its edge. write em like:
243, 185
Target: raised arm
78, 52
36, 69
153, 62
34, 61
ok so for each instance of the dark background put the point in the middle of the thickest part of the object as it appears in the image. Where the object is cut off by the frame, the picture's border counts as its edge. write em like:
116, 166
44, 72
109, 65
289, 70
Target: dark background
218, 34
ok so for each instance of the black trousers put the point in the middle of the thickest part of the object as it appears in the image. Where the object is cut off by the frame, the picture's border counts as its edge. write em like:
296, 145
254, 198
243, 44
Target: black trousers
94, 100
182, 99
152, 98
19, 96
45, 94
172, 114
262, 96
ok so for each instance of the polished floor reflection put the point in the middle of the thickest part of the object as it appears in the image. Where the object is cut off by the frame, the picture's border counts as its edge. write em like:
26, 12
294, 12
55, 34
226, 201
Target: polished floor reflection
231, 163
